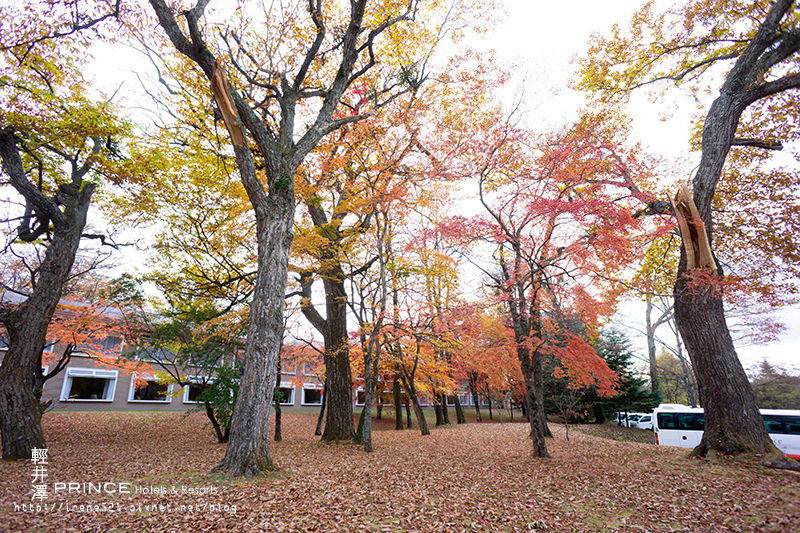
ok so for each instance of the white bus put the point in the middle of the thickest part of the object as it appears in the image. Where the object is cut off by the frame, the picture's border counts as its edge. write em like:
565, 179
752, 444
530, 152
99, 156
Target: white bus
679, 425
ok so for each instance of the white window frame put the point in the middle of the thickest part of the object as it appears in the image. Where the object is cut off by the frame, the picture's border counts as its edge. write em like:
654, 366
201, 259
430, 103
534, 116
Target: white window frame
195, 380
147, 377
288, 385
311, 386
360, 389
111, 387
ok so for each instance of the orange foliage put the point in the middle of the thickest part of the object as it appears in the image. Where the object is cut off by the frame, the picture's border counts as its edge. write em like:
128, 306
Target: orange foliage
78, 328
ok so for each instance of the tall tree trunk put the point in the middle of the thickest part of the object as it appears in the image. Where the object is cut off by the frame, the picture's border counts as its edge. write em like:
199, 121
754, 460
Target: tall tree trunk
411, 390
364, 432
651, 345
372, 355
278, 436
472, 377
532, 371
733, 423
459, 411
408, 415
20, 410
538, 376
397, 398
339, 390
247, 453
445, 410
437, 409
338, 378
321, 416
686, 378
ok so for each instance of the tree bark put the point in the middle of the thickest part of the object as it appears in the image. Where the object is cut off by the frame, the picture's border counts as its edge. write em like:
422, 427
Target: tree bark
445, 410
278, 434
336, 356
459, 411
247, 453
532, 370
321, 416
473, 389
397, 398
437, 409
411, 390
339, 421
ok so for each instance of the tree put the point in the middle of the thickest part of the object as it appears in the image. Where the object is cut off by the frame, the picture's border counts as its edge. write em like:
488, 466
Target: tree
484, 354
758, 43
194, 337
632, 394
349, 186
775, 387
575, 370
57, 144
95, 328
653, 278
554, 217
678, 384
261, 107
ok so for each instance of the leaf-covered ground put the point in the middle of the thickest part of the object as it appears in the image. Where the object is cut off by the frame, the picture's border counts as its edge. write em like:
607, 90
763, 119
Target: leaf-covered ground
477, 477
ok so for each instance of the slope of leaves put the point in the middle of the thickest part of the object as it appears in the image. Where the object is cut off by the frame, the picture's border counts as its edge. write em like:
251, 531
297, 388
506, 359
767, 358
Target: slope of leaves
477, 477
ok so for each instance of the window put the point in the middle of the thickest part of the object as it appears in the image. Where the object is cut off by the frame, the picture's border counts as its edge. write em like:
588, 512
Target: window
111, 343
783, 424
360, 396
150, 391
312, 395
196, 386
685, 421
87, 384
286, 393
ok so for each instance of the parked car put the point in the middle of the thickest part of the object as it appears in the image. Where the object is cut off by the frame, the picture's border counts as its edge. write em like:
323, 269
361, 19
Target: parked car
627, 419
644, 422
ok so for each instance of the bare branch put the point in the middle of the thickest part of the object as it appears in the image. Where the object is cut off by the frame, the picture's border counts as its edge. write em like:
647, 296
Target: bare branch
766, 145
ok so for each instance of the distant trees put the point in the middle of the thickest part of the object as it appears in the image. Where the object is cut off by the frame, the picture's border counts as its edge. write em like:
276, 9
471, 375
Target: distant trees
775, 387
678, 384
633, 392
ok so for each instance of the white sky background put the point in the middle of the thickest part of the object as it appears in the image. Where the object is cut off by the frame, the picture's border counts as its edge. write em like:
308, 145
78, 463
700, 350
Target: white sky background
539, 39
